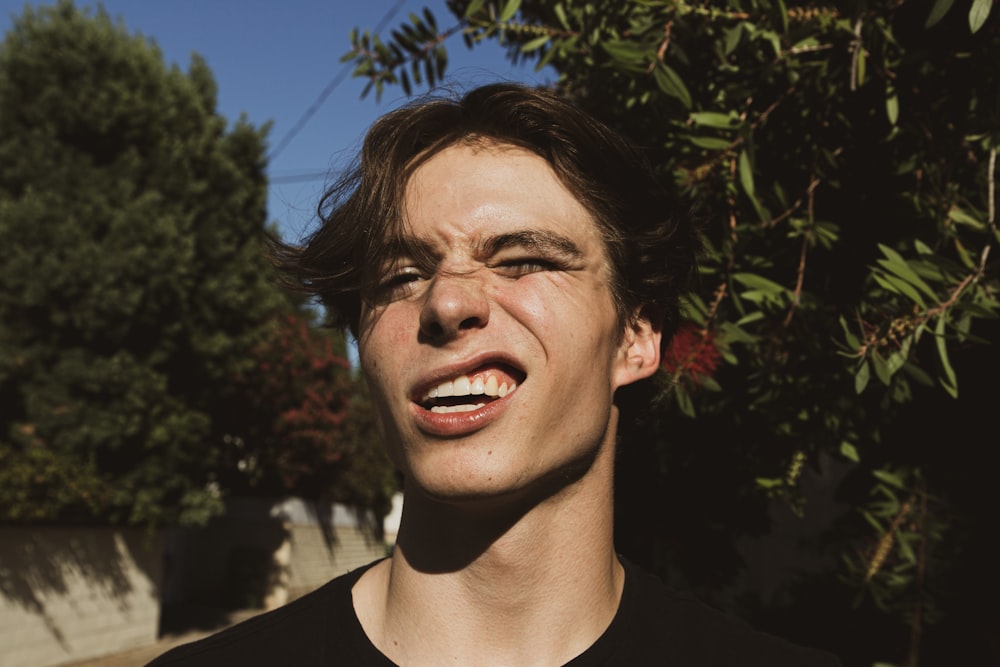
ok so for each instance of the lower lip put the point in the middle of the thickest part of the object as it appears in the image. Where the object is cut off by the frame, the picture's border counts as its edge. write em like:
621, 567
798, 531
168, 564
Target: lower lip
457, 424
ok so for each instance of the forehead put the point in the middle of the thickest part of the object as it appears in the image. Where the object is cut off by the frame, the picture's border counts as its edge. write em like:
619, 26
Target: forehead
471, 189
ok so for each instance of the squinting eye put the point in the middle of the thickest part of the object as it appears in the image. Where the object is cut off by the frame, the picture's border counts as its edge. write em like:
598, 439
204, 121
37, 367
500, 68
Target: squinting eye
516, 268
398, 284
401, 279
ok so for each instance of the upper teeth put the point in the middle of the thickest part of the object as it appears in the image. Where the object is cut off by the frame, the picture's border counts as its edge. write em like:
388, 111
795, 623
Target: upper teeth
463, 386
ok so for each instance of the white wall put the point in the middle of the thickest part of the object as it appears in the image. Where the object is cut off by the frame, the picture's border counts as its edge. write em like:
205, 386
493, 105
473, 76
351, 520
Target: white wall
266, 552
70, 593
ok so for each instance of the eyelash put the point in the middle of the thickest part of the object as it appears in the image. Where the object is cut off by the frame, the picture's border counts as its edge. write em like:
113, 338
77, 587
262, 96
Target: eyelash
527, 265
398, 284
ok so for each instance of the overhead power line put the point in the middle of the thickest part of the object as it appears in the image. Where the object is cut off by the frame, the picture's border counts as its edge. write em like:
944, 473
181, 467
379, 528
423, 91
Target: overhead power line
328, 90
299, 178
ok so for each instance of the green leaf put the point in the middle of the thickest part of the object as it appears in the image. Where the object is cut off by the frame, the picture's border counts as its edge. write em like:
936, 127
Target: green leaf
862, 67
733, 36
535, 44
709, 383
895, 263
849, 452
899, 286
724, 121
918, 374
978, 14
545, 59
906, 551
750, 318
684, 401
746, 173
849, 337
892, 106
782, 12
949, 381
735, 334
771, 38
889, 478
769, 482
861, 377
872, 520
474, 7
561, 15
881, 368
627, 52
710, 143
671, 84
896, 361
938, 11
440, 60
957, 215
759, 282
509, 10
430, 20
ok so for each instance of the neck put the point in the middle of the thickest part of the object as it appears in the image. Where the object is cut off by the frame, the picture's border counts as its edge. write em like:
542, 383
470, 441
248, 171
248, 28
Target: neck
530, 582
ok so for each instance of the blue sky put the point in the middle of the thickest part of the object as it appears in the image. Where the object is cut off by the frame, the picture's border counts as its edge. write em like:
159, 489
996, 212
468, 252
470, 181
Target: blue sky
272, 60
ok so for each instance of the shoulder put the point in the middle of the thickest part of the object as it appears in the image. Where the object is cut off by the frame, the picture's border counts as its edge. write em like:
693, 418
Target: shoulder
686, 631
295, 634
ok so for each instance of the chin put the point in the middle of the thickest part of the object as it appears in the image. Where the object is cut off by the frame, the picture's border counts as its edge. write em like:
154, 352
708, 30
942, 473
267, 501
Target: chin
492, 485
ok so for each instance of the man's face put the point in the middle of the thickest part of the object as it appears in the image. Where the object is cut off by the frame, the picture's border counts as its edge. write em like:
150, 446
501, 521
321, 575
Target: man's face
493, 369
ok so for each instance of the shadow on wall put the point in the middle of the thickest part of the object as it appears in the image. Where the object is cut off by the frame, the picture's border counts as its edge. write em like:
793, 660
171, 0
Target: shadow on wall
227, 565
258, 555
61, 574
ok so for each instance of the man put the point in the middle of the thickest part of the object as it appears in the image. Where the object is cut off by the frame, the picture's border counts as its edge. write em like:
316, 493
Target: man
507, 265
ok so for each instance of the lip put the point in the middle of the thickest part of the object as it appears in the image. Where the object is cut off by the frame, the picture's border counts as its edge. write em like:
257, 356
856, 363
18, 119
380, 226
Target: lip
457, 424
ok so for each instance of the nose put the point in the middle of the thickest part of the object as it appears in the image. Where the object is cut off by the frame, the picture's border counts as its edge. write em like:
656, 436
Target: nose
452, 305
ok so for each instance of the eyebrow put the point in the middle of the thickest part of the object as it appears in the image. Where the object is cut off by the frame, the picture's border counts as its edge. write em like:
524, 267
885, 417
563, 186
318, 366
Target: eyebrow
532, 239
542, 241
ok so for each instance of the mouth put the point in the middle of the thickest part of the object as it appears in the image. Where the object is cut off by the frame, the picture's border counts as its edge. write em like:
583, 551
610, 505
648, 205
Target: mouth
472, 391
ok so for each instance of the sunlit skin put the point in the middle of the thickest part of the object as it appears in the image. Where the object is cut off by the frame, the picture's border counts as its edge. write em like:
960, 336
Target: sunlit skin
508, 504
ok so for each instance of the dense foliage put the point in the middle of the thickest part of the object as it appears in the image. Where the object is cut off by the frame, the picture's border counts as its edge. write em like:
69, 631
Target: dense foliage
843, 159
135, 300
301, 423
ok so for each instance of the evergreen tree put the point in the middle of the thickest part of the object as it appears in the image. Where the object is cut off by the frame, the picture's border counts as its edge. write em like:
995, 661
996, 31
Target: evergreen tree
132, 282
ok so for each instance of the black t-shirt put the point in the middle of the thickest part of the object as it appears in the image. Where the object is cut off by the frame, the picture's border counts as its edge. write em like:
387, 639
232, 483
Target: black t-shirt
653, 626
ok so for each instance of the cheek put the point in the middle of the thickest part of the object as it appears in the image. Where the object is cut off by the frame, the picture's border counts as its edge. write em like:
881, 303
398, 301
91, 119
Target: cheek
380, 336
382, 355
562, 307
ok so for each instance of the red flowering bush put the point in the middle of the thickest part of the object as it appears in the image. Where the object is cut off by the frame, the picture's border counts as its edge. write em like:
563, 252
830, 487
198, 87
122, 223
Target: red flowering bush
692, 355
302, 424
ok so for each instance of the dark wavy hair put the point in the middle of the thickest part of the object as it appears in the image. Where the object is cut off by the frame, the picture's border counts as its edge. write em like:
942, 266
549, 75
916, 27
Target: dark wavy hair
649, 236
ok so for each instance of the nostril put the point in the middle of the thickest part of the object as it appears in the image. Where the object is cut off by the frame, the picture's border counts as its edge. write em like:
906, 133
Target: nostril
435, 330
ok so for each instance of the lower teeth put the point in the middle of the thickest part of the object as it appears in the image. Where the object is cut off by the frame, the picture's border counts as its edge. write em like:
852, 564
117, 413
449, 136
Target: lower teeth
457, 408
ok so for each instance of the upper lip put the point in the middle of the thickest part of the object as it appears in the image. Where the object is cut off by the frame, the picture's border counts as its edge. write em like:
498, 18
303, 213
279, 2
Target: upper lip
465, 367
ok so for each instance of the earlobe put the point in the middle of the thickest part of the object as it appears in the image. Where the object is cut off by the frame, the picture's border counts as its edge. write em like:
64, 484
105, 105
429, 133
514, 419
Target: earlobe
640, 351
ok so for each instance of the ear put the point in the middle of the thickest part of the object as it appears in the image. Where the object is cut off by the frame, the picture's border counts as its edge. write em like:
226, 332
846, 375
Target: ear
639, 353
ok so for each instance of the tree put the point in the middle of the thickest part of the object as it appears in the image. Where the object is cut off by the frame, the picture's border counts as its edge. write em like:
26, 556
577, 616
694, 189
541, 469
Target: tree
134, 291
843, 158
301, 423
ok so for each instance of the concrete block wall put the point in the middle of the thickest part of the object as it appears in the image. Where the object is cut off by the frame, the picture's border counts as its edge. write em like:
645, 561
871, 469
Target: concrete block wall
73, 593
265, 552
316, 556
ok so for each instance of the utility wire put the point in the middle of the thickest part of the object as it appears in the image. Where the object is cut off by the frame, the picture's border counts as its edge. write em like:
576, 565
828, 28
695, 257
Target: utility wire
330, 87
300, 178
